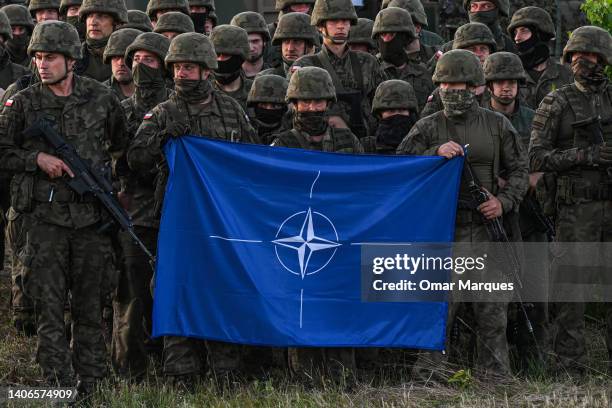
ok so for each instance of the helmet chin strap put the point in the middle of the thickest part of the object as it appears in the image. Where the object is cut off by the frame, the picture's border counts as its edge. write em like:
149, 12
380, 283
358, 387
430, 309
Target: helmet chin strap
335, 40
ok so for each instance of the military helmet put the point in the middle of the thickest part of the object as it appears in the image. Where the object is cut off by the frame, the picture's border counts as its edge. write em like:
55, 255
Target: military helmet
589, 39
158, 5
203, 3
213, 16
65, 4
414, 7
192, 47
55, 36
268, 89
311, 83
393, 20
472, 34
174, 21
459, 66
252, 22
18, 15
294, 26
230, 40
139, 20
43, 5
333, 10
361, 33
153, 42
394, 94
500, 66
281, 5
5, 27
502, 5
533, 17
115, 8
118, 42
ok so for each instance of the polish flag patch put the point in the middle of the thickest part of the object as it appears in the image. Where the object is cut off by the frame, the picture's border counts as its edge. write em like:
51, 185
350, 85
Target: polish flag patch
9, 103
148, 115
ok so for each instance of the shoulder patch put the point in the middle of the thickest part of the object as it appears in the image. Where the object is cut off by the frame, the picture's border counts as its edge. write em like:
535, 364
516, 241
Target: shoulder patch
9, 102
148, 115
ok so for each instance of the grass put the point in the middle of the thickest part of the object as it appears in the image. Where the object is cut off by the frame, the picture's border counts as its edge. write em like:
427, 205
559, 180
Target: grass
386, 386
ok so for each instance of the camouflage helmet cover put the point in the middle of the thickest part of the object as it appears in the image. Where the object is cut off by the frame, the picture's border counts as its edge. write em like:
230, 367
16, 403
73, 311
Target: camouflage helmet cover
589, 39
158, 5
210, 4
153, 42
18, 15
252, 22
294, 26
414, 7
311, 83
192, 47
361, 33
65, 4
5, 26
118, 42
230, 40
500, 66
459, 66
394, 94
174, 21
534, 17
393, 20
268, 89
115, 8
333, 10
281, 5
502, 5
43, 5
55, 36
139, 20
472, 34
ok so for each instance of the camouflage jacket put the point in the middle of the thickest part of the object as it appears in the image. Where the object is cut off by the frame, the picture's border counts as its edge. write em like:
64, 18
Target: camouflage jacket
267, 133
90, 119
114, 86
91, 65
434, 103
494, 148
280, 70
273, 55
553, 77
24, 60
241, 94
431, 39
10, 72
521, 119
416, 74
334, 140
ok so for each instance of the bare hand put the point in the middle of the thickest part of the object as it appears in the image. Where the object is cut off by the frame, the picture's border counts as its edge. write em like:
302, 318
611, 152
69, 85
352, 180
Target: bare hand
53, 166
450, 150
533, 179
501, 183
492, 208
125, 200
337, 122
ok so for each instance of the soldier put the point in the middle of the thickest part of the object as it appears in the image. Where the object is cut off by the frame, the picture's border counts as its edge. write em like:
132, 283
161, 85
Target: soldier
355, 74
22, 26
232, 47
360, 37
580, 155
259, 40
273, 56
475, 37
155, 8
133, 304
489, 13
494, 148
395, 105
64, 252
296, 38
451, 16
428, 39
196, 109
69, 12
9, 71
173, 23
203, 15
267, 107
398, 45
44, 10
532, 29
139, 20
101, 18
121, 80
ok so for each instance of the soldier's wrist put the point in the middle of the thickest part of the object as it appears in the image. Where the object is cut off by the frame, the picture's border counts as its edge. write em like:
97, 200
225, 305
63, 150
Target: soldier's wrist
31, 161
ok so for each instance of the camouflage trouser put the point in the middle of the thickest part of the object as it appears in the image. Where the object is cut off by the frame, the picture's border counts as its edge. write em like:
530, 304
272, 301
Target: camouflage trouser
306, 361
585, 221
58, 261
185, 356
133, 305
259, 359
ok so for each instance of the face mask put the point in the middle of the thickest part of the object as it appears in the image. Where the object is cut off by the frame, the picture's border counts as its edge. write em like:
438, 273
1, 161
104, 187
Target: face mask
193, 90
147, 77
393, 130
456, 101
229, 70
485, 17
313, 123
18, 46
199, 19
589, 74
393, 51
96, 44
269, 116
3, 53
76, 22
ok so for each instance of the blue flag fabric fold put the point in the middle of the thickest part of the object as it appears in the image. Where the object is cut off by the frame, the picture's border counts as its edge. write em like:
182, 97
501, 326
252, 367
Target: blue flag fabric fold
261, 245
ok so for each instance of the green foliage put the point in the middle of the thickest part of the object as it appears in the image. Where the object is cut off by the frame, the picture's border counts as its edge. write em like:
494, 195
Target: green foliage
462, 379
599, 13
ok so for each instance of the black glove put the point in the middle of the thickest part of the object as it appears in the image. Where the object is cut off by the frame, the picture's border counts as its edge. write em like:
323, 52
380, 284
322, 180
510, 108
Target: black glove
598, 154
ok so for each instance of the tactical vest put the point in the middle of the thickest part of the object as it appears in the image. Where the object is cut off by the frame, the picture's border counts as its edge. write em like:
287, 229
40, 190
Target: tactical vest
336, 140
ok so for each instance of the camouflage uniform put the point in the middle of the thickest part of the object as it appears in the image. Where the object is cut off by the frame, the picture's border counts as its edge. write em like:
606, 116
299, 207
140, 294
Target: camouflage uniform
355, 74
452, 15
174, 22
199, 19
583, 195
139, 20
117, 44
133, 304
398, 21
361, 33
222, 118
273, 55
9, 71
268, 89
64, 251
74, 20
153, 6
19, 15
92, 65
430, 41
36, 5
254, 23
492, 20
494, 148
538, 83
233, 41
